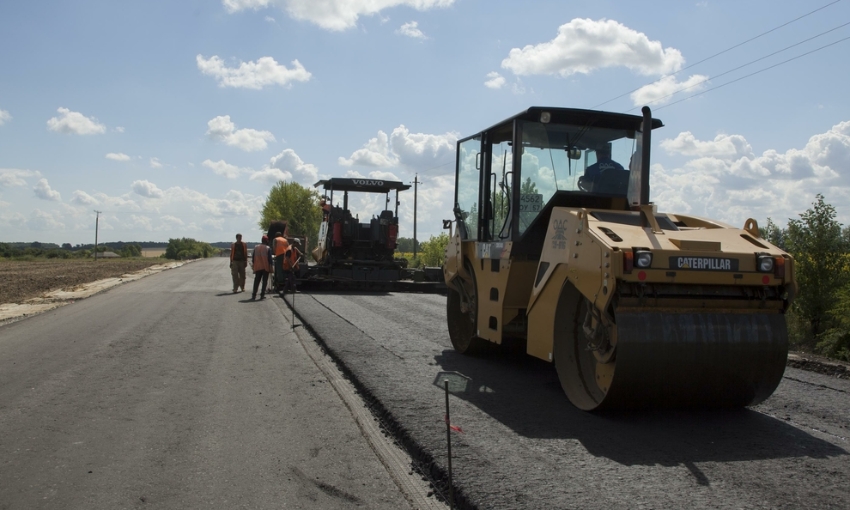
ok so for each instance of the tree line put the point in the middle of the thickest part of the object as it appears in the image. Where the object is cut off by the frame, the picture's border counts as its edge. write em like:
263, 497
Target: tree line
819, 319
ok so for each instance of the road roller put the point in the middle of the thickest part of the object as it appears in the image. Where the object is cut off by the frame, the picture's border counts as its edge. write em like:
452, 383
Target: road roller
556, 246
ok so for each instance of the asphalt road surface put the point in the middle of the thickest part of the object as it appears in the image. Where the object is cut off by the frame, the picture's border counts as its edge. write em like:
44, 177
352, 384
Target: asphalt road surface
172, 392
525, 447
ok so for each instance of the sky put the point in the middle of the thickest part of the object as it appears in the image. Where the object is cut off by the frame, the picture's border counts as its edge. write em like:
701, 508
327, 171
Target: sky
175, 119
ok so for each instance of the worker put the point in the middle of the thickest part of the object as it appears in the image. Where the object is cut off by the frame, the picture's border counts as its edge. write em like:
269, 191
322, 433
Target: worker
279, 248
238, 263
603, 162
261, 263
326, 208
291, 264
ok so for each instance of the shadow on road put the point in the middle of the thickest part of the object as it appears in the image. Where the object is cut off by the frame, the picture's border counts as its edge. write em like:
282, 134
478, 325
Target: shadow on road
524, 394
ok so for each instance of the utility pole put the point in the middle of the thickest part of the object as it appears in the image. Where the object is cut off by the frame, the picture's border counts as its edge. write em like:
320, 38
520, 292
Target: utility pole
415, 189
96, 222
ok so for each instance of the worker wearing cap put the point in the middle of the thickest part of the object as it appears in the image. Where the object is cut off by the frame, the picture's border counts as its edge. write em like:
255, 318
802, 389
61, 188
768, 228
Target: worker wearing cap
603, 163
261, 263
290, 265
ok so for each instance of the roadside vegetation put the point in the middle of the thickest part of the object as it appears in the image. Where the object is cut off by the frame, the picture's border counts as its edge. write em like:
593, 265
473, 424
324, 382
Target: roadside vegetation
430, 253
298, 206
819, 321
186, 248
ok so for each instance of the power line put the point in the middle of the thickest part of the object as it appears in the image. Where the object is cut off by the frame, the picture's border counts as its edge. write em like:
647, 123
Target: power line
726, 50
754, 73
745, 65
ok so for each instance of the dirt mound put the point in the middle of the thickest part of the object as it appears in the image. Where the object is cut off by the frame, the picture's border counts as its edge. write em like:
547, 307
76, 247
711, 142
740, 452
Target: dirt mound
819, 364
23, 280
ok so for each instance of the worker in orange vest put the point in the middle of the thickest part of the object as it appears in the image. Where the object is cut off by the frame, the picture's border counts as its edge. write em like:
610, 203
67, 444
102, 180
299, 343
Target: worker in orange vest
279, 248
290, 265
261, 263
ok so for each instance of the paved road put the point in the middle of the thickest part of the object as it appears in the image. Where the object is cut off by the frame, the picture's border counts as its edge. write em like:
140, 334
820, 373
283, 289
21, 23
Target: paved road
171, 392
525, 446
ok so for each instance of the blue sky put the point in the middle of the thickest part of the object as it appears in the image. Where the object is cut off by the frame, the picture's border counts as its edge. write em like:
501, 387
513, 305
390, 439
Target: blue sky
176, 118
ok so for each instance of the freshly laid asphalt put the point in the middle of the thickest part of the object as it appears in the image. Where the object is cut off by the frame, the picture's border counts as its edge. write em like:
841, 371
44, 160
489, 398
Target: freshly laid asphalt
173, 392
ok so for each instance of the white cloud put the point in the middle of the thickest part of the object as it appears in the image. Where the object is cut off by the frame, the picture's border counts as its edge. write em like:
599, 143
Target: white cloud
45, 192
223, 129
154, 162
271, 175
723, 146
662, 90
252, 75
147, 189
411, 29
119, 129
14, 177
494, 80
82, 198
727, 182
4, 117
240, 5
333, 14
288, 163
74, 123
221, 167
402, 148
584, 45
43, 220
117, 156
171, 221
269, 19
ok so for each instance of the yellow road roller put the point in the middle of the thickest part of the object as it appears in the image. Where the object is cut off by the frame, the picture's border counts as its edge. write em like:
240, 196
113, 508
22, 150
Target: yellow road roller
555, 243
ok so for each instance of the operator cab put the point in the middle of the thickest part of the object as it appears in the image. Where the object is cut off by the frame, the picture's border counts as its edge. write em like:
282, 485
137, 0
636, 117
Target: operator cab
566, 158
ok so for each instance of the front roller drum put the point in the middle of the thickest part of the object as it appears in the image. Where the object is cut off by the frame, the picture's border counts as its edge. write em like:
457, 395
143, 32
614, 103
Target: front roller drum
675, 360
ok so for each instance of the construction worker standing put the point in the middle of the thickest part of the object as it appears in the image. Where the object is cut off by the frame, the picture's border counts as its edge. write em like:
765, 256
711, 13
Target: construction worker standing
238, 263
261, 263
290, 265
279, 248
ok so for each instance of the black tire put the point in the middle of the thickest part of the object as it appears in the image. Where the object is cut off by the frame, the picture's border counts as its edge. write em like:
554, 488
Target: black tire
462, 324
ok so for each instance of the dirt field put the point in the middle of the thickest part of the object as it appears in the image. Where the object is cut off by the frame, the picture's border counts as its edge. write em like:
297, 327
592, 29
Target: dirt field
22, 280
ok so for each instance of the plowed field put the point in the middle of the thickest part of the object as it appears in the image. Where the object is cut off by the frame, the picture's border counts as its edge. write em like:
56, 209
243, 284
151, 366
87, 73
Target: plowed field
22, 280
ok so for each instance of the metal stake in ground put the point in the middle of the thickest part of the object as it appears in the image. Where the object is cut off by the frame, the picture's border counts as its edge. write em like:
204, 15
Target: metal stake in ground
449, 443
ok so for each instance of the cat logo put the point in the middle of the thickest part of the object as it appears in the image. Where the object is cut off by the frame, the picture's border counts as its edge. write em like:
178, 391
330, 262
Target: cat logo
559, 240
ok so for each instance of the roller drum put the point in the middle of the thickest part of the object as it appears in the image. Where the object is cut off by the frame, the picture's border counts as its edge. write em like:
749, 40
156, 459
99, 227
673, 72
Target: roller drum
680, 360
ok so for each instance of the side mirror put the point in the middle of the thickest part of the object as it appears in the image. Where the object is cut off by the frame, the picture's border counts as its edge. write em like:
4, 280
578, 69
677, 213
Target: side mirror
447, 224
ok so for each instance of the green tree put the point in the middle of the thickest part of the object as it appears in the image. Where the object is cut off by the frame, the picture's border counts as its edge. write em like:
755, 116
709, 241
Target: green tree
186, 248
774, 235
131, 250
405, 245
298, 206
816, 242
433, 251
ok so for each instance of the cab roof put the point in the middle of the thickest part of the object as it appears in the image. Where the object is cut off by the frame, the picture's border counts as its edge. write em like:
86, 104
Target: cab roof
580, 117
362, 185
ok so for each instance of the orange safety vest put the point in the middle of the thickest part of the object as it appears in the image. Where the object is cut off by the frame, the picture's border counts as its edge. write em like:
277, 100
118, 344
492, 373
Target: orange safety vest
281, 246
261, 258
292, 260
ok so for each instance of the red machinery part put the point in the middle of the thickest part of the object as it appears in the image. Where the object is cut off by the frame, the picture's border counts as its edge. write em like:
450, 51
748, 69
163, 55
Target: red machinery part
392, 237
337, 234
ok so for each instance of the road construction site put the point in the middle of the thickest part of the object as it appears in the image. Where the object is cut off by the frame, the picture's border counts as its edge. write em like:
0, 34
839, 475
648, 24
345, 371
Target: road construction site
173, 390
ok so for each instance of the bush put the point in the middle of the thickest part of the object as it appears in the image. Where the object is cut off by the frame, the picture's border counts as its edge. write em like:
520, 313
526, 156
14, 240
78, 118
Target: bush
433, 252
185, 248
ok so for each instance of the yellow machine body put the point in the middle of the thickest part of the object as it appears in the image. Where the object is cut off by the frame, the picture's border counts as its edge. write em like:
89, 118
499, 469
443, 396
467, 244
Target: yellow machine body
637, 308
